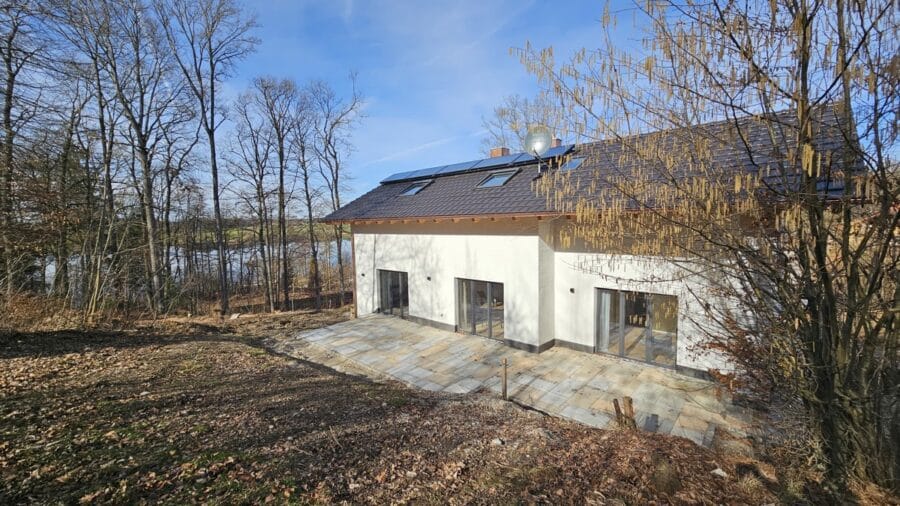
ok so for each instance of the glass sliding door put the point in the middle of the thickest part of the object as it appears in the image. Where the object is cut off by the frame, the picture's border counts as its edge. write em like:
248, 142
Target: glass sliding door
609, 316
464, 309
394, 293
497, 310
637, 325
480, 308
663, 328
404, 295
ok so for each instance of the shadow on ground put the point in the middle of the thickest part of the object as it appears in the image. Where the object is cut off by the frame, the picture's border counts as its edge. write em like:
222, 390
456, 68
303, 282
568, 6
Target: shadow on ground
207, 417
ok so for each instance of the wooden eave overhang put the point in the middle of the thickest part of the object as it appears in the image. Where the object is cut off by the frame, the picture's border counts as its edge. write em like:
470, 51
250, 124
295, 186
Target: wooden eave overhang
451, 218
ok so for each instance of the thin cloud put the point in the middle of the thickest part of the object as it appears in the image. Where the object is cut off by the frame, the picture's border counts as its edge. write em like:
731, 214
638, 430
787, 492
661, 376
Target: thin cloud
347, 12
404, 153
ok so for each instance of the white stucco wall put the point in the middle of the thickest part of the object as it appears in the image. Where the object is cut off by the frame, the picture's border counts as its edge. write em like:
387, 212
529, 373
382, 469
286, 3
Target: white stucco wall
585, 272
480, 251
547, 288
537, 279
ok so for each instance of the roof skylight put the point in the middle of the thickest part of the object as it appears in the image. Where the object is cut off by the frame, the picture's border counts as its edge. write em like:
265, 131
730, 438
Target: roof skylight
497, 179
415, 188
572, 164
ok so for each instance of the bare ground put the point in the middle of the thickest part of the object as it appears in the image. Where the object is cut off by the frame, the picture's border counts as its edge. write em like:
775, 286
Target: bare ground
199, 411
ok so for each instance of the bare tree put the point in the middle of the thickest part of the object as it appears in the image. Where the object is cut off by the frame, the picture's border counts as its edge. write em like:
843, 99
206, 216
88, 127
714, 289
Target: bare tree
149, 92
303, 137
208, 38
335, 119
254, 145
105, 102
19, 49
81, 32
68, 160
796, 246
508, 125
177, 150
277, 98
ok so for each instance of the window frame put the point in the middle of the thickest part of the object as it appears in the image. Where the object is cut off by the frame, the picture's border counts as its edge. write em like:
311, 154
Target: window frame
648, 336
577, 160
421, 185
466, 285
512, 173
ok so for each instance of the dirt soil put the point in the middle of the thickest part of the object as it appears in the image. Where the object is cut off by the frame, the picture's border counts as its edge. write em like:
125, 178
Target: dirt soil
200, 411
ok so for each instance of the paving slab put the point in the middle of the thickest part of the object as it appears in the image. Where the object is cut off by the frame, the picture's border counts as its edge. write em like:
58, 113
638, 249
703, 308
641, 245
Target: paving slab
562, 382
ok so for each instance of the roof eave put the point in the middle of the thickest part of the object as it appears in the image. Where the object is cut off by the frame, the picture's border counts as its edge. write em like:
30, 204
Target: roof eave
455, 217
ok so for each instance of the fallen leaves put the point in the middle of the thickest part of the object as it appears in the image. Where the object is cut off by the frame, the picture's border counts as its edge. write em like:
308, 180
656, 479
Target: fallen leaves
173, 418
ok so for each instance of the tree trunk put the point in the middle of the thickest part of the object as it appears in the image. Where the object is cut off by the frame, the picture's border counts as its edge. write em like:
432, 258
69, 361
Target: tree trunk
315, 278
339, 247
167, 230
265, 247
150, 228
849, 429
220, 226
61, 280
264, 262
7, 153
240, 246
282, 228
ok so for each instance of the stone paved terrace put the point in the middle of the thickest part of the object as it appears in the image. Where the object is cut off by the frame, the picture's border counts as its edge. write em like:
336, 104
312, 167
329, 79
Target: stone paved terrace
575, 385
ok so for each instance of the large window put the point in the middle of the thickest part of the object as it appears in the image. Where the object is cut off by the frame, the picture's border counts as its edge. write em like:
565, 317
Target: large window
637, 325
480, 308
393, 293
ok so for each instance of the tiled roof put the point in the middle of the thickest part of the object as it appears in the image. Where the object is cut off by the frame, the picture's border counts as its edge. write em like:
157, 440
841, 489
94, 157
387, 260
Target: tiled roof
455, 195
458, 194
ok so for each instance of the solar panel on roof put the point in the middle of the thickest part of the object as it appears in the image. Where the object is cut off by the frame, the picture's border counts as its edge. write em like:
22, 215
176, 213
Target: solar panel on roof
551, 153
497, 161
458, 167
425, 172
413, 174
482, 164
396, 177
558, 151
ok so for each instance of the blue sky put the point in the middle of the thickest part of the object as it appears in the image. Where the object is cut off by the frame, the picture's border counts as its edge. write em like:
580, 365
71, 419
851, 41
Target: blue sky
429, 70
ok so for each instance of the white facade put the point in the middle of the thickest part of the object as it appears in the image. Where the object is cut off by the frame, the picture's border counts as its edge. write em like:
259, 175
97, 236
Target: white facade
549, 293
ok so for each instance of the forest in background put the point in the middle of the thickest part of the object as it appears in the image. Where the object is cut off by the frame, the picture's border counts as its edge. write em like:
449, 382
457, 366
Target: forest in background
130, 180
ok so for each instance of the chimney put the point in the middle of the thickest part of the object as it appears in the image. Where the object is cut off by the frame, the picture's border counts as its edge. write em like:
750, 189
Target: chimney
557, 142
495, 152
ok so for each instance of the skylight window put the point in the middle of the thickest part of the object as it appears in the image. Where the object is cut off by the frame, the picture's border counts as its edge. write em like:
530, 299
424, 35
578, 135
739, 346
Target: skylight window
571, 164
497, 179
415, 188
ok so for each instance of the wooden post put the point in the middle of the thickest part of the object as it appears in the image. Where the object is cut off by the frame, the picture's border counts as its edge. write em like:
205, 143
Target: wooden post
505, 364
625, 413
628, 407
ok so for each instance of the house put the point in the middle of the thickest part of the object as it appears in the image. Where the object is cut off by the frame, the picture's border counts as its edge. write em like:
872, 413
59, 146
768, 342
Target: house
470, 247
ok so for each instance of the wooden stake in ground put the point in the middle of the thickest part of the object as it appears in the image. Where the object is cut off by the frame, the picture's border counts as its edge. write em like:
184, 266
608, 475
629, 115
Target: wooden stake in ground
628, 406
505, 364
625, 414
